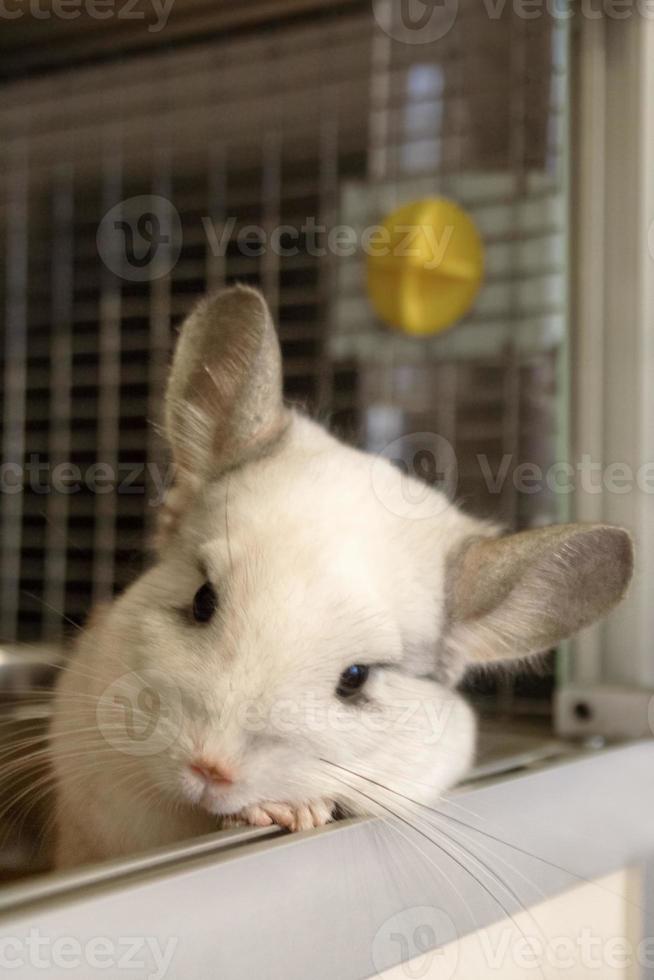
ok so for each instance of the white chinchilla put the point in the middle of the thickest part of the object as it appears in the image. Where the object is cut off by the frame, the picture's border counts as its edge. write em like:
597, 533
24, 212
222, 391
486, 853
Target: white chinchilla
308, 616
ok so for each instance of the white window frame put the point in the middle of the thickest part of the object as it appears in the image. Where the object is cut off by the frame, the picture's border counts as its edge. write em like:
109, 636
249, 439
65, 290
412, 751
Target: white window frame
610, 672
332, 903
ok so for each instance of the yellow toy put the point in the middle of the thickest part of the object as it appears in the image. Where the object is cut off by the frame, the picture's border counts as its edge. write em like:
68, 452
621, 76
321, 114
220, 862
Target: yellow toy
425, 266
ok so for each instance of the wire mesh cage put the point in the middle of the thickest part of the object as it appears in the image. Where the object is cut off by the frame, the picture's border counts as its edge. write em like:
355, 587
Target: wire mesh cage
229, 145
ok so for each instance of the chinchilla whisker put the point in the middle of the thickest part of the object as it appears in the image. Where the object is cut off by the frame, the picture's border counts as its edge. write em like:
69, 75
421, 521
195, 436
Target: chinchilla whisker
79, 777
489, 871
470, 827
486, 834
413, 843
416, 829
488, 868
23, 767
35, 750
46, 605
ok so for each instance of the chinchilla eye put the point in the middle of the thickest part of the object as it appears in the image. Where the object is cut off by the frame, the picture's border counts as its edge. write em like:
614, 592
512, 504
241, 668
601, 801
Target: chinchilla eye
352, 680
205, 602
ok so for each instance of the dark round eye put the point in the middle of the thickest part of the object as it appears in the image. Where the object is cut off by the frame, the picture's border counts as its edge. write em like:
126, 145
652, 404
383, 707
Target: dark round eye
352, 680
205, 602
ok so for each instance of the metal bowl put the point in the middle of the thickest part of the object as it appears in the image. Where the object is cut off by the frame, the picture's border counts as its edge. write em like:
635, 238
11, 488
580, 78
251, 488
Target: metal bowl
27, 676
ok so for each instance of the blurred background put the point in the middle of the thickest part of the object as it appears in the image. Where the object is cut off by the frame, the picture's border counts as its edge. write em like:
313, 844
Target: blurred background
200, 132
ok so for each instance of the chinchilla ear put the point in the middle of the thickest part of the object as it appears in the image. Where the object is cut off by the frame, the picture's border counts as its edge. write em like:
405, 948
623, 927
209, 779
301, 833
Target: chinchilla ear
521, 594
224, 401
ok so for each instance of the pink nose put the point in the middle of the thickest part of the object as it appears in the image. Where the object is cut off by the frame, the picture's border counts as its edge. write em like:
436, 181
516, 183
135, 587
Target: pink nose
212, 772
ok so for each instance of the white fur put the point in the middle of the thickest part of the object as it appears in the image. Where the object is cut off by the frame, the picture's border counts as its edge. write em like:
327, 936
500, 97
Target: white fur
314, 572
322, 557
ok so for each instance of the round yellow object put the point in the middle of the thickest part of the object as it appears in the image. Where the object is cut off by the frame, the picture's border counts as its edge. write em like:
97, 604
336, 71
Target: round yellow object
425, 266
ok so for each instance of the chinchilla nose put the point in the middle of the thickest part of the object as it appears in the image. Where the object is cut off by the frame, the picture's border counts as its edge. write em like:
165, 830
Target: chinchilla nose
212, 771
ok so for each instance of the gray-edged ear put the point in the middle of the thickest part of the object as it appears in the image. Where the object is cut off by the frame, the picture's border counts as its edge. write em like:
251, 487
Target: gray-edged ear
522, 594
224, 401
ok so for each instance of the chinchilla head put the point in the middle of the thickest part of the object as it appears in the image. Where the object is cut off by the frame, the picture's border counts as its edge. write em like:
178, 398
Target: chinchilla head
312, 608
